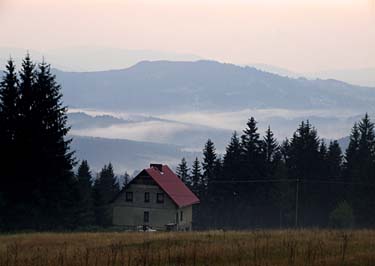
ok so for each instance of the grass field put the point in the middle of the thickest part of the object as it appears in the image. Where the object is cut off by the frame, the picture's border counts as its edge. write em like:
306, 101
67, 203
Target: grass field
258, 248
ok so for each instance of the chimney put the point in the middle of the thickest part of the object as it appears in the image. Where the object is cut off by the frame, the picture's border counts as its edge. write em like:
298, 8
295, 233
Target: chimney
157, 166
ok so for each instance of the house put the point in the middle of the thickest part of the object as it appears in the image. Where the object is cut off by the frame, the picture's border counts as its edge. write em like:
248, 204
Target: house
155, 198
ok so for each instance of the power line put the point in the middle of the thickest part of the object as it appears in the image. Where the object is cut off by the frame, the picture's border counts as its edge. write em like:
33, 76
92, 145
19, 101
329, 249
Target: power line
235, 181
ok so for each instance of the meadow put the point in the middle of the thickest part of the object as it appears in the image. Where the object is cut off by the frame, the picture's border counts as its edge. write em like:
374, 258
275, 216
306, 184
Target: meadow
258, 248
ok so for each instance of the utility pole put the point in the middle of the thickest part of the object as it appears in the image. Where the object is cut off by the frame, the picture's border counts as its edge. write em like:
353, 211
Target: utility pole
297, 202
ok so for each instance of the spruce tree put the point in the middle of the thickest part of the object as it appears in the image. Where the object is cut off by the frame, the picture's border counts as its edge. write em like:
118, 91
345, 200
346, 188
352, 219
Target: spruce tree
305, 165
335, 160
53, 161
232, 158
352, 158
45, 181
208, 165
363, 196
9, 116
183, 171
106, 188
366, 150
125, 180
304, 152
252, 156
196, 176
85, 204
271, 151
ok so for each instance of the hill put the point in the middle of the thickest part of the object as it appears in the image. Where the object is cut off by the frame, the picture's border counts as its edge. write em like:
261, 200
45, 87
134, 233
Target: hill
162, 86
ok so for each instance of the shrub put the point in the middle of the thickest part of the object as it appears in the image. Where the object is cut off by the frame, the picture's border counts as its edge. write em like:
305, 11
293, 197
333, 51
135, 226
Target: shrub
342, 216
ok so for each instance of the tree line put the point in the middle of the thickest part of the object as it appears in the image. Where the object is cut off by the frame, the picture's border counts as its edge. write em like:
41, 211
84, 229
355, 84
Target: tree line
301, 181
38, 187
259, 182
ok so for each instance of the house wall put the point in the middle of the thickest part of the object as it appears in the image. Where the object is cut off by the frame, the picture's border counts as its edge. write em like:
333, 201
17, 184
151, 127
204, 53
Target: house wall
131, 214
186, 223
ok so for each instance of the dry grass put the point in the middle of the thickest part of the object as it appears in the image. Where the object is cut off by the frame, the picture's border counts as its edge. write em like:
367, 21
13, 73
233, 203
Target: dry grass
258, 248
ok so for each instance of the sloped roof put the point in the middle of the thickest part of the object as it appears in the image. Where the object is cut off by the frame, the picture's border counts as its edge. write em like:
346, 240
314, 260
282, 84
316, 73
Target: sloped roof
171, 184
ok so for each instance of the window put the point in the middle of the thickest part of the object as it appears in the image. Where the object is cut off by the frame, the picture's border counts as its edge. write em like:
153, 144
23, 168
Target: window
160, 198
181, 216
147, 196
146, 217
176, 217
129, 196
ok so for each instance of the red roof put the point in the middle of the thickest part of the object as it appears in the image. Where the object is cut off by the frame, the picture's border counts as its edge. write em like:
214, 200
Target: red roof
173, 186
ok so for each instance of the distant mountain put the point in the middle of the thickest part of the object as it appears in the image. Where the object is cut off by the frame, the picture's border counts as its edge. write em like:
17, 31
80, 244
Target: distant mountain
162, 86
277, 70
363, 77
92, 58
126, 155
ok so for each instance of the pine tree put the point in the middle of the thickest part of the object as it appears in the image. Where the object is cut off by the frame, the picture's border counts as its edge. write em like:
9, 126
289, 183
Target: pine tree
208, 165
232, 158
271, 151
45, 181
85, 204
52, 159
9, 98
335, 160
352, 158
252, 157
25, 148
196, 176
305, 164
304, 152
125, 179
366, 150
183, 171
362, 170
106, 188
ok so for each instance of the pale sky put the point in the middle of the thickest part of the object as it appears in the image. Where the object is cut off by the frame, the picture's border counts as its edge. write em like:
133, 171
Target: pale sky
301, 35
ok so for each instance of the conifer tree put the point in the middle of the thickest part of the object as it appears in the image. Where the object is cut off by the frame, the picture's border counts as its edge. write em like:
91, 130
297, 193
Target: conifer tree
45, 182
362, 170
304, 152
208, 165
126, 180
334, 160
305, 165
366, 150
9, 98
85, 204
352, 158
52, 159
196, 176
252, 156
271, 151
183, 171
232, 158
26, 148
106, 188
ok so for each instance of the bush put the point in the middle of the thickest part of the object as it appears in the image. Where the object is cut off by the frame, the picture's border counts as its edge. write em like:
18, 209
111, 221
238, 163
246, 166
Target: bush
342, 216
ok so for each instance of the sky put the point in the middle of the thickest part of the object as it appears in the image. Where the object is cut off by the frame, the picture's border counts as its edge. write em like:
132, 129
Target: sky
301, 35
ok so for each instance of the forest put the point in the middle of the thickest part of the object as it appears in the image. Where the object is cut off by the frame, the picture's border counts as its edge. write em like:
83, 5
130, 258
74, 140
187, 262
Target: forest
259, 182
